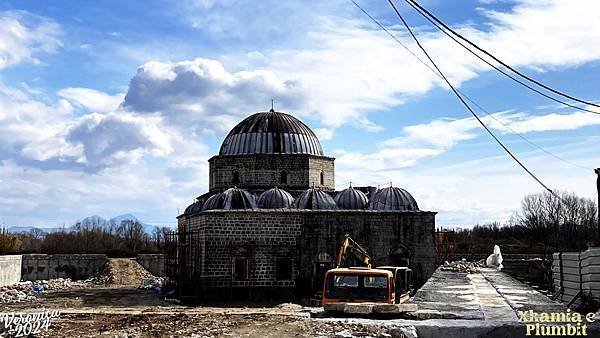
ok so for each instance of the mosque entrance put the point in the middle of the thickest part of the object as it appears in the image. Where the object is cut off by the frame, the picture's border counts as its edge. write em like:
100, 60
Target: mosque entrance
400, 255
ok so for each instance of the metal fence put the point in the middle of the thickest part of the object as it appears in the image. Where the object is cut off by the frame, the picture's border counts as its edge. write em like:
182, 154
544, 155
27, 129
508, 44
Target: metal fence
182, 263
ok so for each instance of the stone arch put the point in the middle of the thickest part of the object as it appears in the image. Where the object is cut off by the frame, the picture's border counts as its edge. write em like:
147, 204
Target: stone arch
322, 178
235, 179
400, 255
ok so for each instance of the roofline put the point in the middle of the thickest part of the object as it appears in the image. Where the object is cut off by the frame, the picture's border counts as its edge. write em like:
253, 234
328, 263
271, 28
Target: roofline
273, 154
292, 210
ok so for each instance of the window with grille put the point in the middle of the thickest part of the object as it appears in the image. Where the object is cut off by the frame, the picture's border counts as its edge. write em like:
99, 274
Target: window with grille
241, 268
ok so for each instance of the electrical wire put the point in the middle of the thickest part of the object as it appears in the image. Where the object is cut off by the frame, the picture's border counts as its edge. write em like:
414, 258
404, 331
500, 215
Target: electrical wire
523, 137
462, 93
467, 105
437, 22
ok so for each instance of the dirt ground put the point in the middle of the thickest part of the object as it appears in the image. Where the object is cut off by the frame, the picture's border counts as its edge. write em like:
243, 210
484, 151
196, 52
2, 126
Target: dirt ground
129, 312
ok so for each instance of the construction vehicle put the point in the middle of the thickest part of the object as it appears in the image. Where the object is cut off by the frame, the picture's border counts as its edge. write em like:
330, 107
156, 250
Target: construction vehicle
387, 284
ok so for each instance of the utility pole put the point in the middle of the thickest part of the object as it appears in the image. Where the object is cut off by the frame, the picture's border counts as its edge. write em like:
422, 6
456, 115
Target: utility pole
597, 171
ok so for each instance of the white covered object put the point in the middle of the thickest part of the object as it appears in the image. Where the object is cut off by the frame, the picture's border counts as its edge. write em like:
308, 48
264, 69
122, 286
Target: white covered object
495, 260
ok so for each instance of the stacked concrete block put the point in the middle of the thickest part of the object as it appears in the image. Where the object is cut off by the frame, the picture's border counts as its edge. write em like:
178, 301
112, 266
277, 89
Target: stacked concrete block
577, 273
74, 266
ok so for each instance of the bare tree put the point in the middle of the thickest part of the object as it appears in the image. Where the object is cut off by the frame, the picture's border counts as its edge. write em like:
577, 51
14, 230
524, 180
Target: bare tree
565, 222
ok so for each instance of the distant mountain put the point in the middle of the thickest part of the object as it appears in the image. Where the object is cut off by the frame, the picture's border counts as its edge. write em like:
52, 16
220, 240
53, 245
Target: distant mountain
88, 222
129, 217
96, 220
20, 229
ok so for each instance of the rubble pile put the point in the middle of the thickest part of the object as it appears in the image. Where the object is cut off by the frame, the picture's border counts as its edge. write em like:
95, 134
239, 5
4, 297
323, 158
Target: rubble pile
28, 291
17, 293
463, 266
67, 283
122, 272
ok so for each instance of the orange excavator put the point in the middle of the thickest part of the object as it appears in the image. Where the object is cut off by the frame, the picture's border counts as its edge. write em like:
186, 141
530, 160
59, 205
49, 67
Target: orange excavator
389, 284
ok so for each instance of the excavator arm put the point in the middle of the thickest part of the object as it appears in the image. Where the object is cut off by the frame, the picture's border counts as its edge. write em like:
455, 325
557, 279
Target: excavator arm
349, 245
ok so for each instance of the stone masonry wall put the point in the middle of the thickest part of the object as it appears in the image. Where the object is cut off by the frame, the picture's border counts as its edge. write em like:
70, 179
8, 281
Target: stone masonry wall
264, 171
263, 235
307, 236
380, 232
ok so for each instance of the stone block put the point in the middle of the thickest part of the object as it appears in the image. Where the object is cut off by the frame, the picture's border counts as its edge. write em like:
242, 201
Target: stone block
394, 308
358, 308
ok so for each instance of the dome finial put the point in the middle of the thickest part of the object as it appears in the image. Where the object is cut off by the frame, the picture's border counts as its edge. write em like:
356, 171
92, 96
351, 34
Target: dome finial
272, 106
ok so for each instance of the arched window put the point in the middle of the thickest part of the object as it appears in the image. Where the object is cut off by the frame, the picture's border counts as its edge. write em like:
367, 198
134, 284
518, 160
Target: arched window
236, 178
322, 178
283, 178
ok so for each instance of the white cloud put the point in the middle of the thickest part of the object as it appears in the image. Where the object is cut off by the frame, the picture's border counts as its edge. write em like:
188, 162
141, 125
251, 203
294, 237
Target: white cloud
421, 141
53, 136
349, 68
114, 138
92, 99
523, 123
24, 35
203, 94
544, 33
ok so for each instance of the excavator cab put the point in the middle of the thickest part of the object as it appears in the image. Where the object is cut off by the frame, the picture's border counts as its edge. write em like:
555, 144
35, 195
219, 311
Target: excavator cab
387, 284
403, 279
358, 285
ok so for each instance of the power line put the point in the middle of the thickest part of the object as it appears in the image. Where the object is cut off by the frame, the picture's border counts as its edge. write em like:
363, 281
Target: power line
467, 105
436, 22
524, 138
462, 93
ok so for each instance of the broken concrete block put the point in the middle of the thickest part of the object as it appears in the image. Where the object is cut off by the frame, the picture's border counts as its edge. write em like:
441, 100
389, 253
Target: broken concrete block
394, 308
358, 308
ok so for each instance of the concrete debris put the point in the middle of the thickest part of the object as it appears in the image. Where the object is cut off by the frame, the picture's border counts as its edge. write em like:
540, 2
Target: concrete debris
17, 293
463, 266
67, 283
28, 291
152, 283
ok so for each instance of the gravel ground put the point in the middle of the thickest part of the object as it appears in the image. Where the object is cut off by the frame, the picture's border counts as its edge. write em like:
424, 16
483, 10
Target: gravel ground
132, 312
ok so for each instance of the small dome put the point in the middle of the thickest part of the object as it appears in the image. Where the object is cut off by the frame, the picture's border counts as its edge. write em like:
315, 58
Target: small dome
193, 208
230, 199
314, 199
275, 199
351, 198
392, 198
271, 133
214, 202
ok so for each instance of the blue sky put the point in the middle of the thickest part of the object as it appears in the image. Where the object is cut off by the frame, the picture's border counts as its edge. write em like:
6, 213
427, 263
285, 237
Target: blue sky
108, 108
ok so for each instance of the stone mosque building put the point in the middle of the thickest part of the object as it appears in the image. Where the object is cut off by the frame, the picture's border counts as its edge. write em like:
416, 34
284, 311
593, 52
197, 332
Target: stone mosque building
271, 223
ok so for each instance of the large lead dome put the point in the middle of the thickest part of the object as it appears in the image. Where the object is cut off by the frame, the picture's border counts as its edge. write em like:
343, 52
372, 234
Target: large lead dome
271, 133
